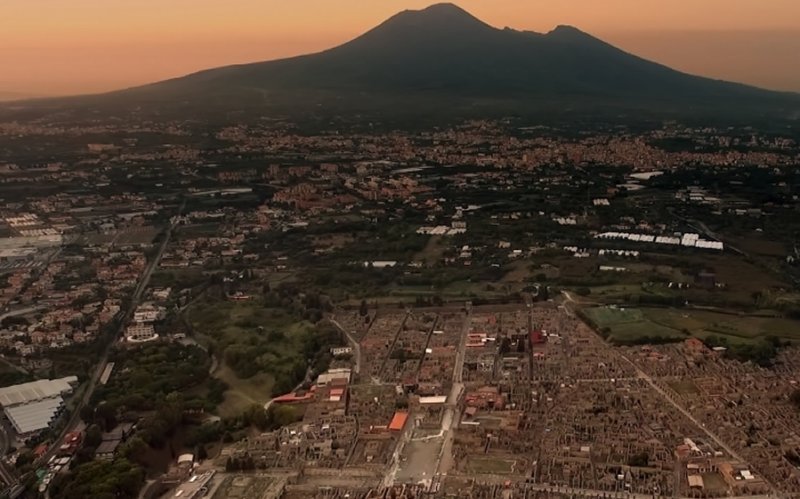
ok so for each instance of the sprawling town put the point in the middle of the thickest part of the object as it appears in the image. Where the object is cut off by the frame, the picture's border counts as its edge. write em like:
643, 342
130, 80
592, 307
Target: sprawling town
491, 309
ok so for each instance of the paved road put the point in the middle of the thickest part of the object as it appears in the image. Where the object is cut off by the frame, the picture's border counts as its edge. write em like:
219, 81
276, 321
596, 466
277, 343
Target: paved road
6, 474
703, 229
355, 345
307, 379
101, 365
450, 418
650, 381
20, 311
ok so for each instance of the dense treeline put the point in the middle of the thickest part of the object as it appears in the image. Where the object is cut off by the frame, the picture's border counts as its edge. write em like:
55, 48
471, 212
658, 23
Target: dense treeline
118, 479
143, 377
280, 333
761, 352
152, 380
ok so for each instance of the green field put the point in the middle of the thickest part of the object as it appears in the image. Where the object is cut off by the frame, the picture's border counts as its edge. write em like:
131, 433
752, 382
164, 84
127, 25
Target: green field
637, 325
433, 251
735, 327
614, 316
630, 325
261, 350
684, 386
490, 465
242, 393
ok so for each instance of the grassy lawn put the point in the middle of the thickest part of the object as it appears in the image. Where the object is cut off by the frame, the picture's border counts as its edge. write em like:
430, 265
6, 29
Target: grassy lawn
433, 250
178, 278
242, 393
235, 322
684, 386
260, 349
628, 325
199, 230
458, 289
517, 271
742, 278
714, 482
632, 332
614, 316
736, 328
631, 325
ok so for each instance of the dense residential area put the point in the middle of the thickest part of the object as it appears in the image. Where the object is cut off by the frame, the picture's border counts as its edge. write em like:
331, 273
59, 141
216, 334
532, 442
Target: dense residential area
484, 310
458, 255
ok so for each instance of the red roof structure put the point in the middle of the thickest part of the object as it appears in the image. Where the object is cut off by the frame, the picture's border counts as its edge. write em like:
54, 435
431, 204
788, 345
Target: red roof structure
293, 398
398, 421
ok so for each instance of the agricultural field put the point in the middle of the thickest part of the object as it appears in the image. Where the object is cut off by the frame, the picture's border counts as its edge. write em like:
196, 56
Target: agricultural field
637, 325
630, 326
654, 279
735, 327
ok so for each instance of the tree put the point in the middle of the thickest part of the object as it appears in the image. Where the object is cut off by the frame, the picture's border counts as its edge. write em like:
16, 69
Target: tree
87, 414
94, 436
135, 450
795, 398
283, 415
106, 416
640, 460
505, 345
255, 415
119, 479
24, 458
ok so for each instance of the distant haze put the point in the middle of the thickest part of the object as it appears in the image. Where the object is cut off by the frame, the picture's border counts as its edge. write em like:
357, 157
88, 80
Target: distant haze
52, 47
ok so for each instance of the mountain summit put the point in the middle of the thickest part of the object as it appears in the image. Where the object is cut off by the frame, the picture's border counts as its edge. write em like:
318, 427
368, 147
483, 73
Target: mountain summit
444, 60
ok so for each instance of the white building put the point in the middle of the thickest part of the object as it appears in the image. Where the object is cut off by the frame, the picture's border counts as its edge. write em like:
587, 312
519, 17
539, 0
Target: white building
33, 407
140, 333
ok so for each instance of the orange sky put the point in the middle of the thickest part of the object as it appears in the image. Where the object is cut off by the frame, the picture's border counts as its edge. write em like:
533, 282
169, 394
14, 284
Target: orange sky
76, 46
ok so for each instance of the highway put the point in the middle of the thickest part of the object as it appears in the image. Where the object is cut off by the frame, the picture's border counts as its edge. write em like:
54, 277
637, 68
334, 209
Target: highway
101, 365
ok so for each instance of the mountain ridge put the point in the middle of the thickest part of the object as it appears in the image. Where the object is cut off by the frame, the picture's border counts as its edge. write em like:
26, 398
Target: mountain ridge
443, 54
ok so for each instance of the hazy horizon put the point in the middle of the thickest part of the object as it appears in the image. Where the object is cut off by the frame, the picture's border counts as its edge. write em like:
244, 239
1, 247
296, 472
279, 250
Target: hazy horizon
85, 47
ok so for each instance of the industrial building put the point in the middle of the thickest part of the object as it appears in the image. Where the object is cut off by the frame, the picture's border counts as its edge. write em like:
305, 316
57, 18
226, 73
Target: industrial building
33, 407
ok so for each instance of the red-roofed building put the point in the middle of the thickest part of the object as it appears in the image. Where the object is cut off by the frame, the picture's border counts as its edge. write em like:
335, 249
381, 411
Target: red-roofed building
487, 397
398, 421
537, 338
295, 398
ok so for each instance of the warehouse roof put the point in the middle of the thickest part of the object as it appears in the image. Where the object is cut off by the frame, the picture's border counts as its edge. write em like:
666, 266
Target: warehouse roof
35, 391
34, 416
